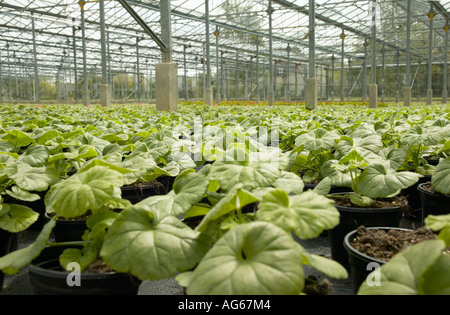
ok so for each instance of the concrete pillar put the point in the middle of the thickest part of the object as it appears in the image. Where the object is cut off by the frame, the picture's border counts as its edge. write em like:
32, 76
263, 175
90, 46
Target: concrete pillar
166, 87
105, 95
407, 96
373, 95
311, 93
429, 96
86, 97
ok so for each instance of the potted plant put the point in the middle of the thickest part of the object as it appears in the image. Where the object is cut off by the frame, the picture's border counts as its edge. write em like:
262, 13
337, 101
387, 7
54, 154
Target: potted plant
73, 199
369, 248
375, 199
420, 269
246, 244
435, 194
145, 241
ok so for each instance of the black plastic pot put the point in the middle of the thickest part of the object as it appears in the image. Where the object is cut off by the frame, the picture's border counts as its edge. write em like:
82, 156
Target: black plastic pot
48, 278
414, 200
138, 193
8, 243
67, 230
351, 218
432, 202
361, 264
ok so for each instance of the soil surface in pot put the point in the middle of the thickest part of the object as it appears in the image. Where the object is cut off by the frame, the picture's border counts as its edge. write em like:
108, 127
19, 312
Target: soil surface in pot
385, 244
140, 186
399, 201
430, 188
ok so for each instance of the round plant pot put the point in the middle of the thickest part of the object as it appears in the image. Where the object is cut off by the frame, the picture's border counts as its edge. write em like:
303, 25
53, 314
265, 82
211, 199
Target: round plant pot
68, 230
361, 265
414, 199
351, 218
137, 193
432, 202
48, 278
8, 243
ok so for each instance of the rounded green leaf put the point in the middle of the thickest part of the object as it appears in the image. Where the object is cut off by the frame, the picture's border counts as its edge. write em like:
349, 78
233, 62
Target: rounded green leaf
152, 248
318, 139
16, 218
440, 178
89, 190
378, 181
252, 259
306, 214
405, 273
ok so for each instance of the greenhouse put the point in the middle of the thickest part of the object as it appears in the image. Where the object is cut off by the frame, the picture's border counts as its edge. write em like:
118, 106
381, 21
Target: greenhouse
224, 147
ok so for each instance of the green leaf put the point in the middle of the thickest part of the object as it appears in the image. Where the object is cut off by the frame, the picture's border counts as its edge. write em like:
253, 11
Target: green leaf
13, 262
327, 266
32, 178
251, 176
378, 181
189, 188
256, 258
307, 214
151, 248
235, 199
84, 257
90, 190
20, 194
318, 139
362, 201
440, 179
18, 138
16, 218
407, 272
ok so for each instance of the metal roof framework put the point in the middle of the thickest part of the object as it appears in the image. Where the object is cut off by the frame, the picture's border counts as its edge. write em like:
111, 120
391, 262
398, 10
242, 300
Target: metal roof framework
240, 24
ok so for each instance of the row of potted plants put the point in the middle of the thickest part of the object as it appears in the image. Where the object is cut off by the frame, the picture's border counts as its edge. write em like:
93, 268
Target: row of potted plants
128, 146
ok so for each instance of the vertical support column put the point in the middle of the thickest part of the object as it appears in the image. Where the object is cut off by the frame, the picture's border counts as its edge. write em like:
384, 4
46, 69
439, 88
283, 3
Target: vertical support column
185, 73
397, 92
407, 93
296, 81
166, 72
2, 96
445, 76
373, 87
270, 92
342, 66
75, 63
138, 71
85, 93
431, 15
350, 79
204, 71
208, 91
364, 72
37, 95
105, 89
217, 33
288, 74
9, 74
311, 81
258, 96
333, 58
223, 76
236, 80
383, 88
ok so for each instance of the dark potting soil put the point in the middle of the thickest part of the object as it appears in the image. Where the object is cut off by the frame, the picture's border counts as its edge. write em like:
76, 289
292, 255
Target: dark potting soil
398, 201
385, 244
98, 266
139, 186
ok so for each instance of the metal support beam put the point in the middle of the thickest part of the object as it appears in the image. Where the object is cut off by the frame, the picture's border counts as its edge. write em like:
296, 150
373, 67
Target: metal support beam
75, 63
271, 96
407, 93
445, 76
209, 93
85, 97
342, 65
431, 15
36, 73
145, 27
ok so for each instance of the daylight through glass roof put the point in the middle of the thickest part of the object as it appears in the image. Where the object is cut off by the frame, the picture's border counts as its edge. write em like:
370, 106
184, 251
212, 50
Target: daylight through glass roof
242, 26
